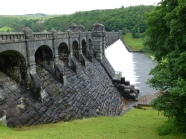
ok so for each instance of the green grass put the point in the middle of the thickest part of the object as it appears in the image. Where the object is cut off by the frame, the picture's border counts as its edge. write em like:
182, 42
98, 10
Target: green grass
5, 29
133, 43
136, 124
32, 16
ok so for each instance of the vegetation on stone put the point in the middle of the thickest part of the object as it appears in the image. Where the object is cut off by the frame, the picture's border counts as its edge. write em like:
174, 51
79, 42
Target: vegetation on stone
166, 40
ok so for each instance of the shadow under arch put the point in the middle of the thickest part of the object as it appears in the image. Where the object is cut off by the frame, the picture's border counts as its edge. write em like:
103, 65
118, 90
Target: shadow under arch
14, 64
44, 56
90, 46
84, 48
75, 49
63, 52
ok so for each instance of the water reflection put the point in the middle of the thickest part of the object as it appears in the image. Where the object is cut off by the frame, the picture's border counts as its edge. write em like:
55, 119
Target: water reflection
135, 67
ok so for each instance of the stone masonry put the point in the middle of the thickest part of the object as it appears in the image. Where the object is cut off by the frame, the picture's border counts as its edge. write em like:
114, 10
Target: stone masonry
54, 76
89, 92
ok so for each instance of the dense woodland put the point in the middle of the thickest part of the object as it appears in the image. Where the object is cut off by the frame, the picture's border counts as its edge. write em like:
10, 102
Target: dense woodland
15, 24
166, 40
131, 19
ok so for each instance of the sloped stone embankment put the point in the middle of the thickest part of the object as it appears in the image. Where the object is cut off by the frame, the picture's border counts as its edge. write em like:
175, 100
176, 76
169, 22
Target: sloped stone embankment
89, 92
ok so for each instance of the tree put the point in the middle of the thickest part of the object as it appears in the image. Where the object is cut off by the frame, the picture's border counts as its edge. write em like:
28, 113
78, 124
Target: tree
136, 32
38, 27
64, 26
124, 31
166, 39
113, 19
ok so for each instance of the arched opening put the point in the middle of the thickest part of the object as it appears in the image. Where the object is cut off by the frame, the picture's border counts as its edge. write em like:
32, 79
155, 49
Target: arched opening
44, 57
75, 49
84, 49
63, 52
13, 64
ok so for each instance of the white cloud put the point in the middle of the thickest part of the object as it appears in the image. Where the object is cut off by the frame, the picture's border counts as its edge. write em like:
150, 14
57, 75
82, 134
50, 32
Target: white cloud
17, 7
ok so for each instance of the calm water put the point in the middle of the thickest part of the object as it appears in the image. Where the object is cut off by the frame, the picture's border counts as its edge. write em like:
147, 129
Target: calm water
135, 67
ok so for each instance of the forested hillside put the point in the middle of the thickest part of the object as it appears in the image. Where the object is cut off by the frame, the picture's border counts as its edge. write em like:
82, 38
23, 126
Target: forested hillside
130, 18
113, 19
15, 23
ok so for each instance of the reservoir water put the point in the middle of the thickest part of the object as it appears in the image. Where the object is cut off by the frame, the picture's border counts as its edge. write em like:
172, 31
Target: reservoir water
135, 67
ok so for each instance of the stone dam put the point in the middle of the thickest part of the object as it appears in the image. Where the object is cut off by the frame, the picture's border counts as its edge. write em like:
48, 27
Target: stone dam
48, 77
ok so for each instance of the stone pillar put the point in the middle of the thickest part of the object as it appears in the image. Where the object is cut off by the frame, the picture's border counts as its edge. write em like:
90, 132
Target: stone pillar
55, 47
30, 49
103, 44
78, 29
70, 64
81, 56
58, 65
80, 43
34, 80
98, 40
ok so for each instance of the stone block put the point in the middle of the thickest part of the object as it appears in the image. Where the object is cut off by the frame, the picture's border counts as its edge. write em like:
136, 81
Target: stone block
31, 114
62, 107
24, 119
42, 111
37, 106
13, 87
41, 119
11, 102
62, 115
49, 113
2, 113
31, 122
15, 111
49, 120
14, 122
8, 83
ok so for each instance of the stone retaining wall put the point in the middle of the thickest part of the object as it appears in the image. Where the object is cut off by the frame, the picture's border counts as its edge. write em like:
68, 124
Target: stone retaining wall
88, 92
109, 69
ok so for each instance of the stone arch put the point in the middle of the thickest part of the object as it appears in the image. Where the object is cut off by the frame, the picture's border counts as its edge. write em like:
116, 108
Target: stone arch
47, 44
63, 52
84, 48
14, 64
44, 55
75, 48
17, 47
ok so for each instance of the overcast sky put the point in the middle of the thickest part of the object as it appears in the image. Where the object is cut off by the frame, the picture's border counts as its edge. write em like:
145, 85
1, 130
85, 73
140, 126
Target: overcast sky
19, 7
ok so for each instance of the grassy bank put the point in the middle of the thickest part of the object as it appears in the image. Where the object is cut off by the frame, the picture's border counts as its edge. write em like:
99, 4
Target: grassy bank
5, 29
32, 16
133, 43
136, 124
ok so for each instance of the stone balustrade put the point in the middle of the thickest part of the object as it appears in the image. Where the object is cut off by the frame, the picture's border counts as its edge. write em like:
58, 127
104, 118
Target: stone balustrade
42, 35
12, 37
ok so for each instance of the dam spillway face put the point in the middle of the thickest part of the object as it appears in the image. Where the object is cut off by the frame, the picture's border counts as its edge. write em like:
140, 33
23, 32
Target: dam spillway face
88, 92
